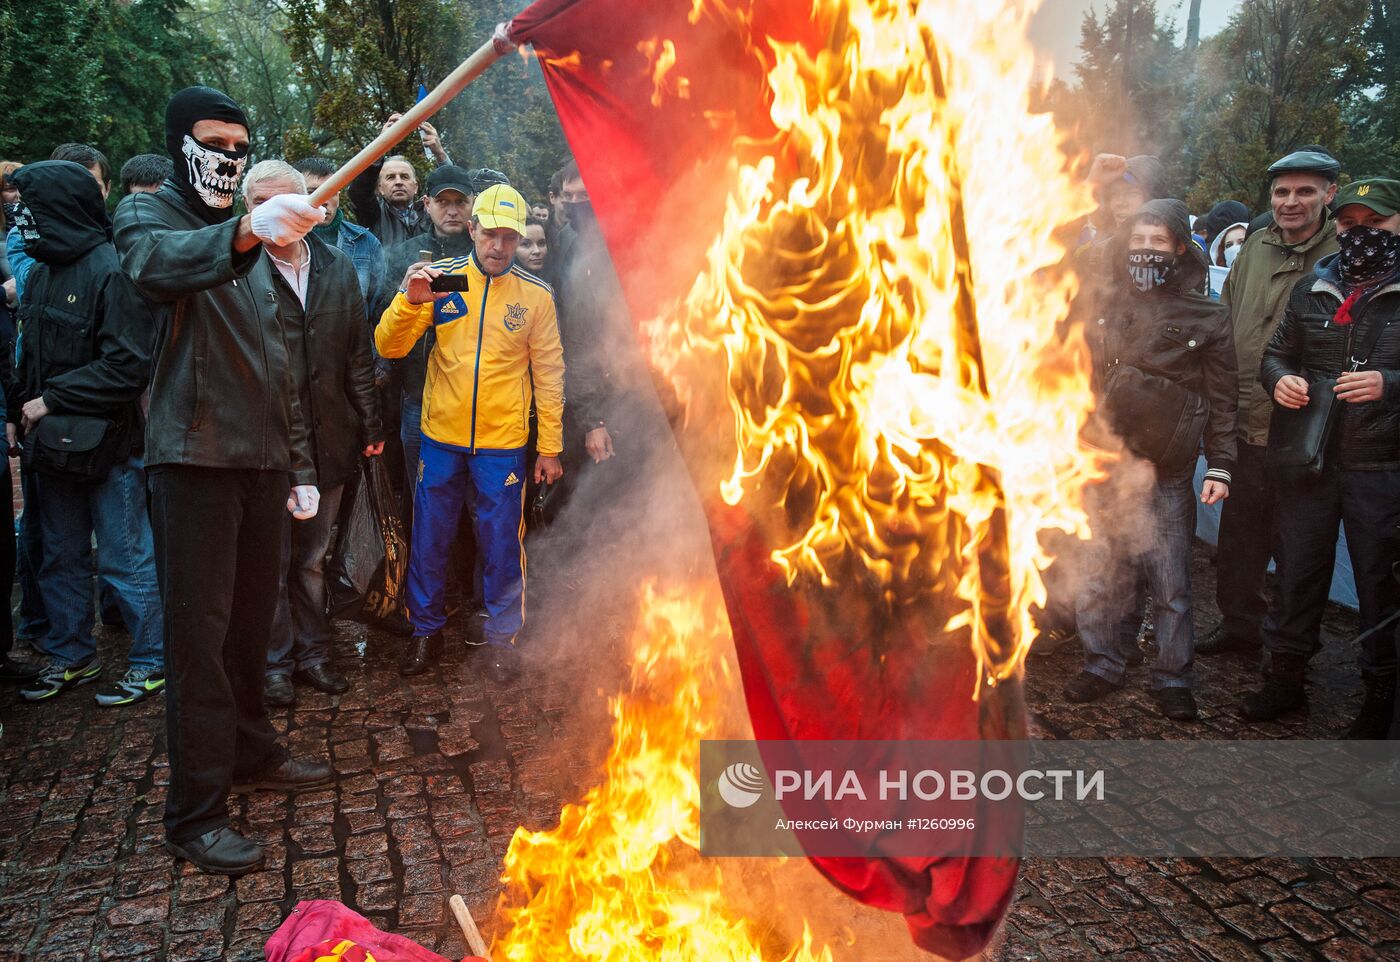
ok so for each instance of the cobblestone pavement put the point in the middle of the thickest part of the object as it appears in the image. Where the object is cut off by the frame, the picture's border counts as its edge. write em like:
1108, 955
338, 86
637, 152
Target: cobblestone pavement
436, 773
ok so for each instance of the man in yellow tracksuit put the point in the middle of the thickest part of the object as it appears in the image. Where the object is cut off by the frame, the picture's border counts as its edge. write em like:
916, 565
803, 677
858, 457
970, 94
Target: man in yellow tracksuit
497, 347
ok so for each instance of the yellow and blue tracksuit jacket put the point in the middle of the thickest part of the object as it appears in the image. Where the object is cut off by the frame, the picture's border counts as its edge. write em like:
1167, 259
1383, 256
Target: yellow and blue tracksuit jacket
497, 348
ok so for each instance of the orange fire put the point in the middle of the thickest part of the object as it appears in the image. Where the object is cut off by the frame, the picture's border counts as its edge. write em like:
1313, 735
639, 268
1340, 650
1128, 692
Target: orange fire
873, 355
620, 878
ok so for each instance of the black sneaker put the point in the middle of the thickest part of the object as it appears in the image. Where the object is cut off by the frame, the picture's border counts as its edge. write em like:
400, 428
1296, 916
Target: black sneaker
1087, 687
56, 679
137, 684
1052, 641
1176, 703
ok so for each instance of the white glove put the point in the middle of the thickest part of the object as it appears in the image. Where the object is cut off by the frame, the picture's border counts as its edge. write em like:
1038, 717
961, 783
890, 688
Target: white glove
285, 219
303, 502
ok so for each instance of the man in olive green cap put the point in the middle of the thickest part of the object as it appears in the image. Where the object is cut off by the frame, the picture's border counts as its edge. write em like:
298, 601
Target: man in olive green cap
1342, 323
1271, 261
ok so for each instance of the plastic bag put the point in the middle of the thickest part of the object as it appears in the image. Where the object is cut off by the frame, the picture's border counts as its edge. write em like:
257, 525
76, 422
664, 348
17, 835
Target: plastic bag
369, 564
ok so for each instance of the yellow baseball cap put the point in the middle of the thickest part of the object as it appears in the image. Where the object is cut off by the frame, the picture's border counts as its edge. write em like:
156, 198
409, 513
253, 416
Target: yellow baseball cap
500, 205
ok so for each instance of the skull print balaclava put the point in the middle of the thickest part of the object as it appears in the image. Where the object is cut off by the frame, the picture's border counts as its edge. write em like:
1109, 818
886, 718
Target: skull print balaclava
207, 176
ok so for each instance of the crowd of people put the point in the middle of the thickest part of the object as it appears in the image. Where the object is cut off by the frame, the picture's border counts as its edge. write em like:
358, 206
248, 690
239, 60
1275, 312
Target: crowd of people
1265, 348
194, 391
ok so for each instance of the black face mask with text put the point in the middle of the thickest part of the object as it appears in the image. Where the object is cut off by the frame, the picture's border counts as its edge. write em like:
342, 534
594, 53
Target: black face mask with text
1150, 269
1368, 254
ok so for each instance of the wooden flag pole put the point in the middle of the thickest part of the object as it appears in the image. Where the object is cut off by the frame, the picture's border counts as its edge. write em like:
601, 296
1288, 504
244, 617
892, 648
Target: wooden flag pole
453, 84
468, 925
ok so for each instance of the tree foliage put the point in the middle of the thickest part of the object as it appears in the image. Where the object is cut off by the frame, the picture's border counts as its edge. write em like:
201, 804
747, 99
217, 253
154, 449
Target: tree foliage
96, 71
364, 59
1282, 74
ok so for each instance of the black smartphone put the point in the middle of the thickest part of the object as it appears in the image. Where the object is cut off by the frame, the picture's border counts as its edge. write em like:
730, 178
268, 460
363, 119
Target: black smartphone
449, 282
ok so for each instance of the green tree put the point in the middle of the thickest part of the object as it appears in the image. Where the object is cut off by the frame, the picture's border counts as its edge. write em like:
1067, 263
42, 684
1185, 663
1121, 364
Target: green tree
1284, 73
255, 69
364, 59
1130, 79
1374, 120
96, 71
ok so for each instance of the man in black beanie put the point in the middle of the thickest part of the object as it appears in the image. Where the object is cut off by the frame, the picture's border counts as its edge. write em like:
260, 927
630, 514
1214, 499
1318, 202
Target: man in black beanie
227, 452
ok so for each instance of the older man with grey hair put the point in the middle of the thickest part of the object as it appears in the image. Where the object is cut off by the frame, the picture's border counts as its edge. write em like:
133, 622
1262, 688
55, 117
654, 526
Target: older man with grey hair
323, 315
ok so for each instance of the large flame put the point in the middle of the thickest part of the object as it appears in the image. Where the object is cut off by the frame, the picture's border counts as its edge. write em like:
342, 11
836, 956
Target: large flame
881, 318
884, 323
620, 878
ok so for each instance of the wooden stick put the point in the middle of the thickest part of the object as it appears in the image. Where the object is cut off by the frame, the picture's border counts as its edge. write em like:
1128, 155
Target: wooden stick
453, 84
464, 919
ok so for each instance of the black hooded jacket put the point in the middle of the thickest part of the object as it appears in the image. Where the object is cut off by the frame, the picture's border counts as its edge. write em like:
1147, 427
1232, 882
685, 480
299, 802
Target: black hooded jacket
85, 330
1174, 331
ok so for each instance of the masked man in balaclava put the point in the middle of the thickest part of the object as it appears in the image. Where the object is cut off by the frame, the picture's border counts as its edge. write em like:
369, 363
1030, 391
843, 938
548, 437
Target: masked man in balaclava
227, 453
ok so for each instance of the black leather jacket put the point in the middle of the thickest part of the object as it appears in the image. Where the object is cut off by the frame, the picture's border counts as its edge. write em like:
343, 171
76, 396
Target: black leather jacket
333, 363
1366, 436
222, 392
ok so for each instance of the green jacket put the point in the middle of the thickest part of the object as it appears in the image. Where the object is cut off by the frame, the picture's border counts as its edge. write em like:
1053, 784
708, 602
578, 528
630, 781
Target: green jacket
1256, 292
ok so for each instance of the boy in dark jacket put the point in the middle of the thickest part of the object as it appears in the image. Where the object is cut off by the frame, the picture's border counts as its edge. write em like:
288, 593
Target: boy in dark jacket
1340, 323
84, 362
1152, 324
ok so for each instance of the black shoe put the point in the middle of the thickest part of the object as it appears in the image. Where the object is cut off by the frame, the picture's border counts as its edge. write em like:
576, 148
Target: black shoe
18, 672
323, 678
219, 852
1377, 710
420, 653
288, 775
1087, 687
277, 690
1053, 640
502, 664
1218, 641
1176, 703
1282, 691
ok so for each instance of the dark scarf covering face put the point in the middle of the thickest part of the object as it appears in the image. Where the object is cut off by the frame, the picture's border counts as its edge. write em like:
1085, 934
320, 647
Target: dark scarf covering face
1150, 269
1368, 255
207, 176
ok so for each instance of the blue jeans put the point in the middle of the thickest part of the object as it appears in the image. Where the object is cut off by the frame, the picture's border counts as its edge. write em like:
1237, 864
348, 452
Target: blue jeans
1166, 566
115, 510
33, 622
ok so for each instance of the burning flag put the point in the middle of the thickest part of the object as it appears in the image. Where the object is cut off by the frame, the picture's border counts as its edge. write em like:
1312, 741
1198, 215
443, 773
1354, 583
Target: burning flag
859, 315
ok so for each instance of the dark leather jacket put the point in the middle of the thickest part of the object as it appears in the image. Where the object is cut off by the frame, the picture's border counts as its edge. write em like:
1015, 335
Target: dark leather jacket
1366, 436
222, 393
333, 364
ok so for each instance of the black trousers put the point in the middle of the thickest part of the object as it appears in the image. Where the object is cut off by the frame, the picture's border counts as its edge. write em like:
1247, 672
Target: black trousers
1367, 504
1246, 544
218, 535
